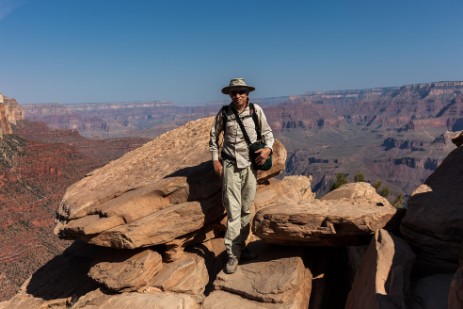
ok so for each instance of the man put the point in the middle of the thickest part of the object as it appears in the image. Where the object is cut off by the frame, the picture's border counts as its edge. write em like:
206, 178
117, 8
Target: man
235, 168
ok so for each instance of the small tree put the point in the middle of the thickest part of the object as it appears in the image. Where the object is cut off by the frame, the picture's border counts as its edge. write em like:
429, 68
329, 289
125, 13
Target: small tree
384, 192
377, 184
341, 179
398, 201
359, 177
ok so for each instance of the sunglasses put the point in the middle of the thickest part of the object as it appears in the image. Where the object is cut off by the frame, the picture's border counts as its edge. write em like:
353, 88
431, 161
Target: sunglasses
240, 92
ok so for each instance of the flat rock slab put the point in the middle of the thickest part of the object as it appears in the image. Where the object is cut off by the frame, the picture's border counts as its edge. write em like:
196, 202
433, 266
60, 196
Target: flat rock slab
331, 222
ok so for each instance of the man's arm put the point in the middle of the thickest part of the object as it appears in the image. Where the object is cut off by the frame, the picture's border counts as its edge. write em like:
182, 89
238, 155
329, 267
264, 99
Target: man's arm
265, 130
214, 143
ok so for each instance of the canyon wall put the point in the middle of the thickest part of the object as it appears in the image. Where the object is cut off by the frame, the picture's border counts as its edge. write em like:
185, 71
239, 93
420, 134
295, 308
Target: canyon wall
396, 135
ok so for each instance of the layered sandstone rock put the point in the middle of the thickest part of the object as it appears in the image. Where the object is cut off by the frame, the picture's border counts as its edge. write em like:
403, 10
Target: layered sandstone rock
433, 223
346, 216
383, 278
153, 195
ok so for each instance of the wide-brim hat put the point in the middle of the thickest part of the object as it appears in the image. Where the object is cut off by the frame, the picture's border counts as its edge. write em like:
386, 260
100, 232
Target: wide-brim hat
237, 83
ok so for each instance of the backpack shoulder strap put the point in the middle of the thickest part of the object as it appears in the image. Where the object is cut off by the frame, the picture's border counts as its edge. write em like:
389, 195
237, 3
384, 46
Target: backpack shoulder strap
223, 110
256, 120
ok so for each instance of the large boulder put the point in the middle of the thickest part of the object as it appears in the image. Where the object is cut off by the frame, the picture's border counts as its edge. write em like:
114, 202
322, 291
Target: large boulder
349, 215
433, 223
383, 277
161, 191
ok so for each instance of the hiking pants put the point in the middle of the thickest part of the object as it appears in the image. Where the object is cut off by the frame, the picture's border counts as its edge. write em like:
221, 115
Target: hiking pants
238, 192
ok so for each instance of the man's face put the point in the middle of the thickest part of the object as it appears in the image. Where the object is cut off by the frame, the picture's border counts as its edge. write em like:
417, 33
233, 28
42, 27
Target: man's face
239, 97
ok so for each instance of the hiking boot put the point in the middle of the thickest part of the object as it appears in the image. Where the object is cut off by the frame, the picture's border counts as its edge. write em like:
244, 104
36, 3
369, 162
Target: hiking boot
231, 265
247, 254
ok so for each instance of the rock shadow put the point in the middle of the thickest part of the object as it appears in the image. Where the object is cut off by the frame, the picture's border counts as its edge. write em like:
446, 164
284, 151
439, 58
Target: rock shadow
205, 187
65, 275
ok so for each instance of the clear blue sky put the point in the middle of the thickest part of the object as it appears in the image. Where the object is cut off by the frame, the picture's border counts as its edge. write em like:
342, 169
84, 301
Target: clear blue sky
185, 51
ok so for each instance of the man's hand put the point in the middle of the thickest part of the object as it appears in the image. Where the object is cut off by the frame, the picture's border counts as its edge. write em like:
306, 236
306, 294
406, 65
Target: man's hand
264, 153
218, 168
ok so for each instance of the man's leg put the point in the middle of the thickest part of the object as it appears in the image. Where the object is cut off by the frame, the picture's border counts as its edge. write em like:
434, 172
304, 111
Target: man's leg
231, 194
248, 192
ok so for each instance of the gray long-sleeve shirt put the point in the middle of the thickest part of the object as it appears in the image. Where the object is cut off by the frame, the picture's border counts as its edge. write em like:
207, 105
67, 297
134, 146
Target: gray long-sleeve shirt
234, 144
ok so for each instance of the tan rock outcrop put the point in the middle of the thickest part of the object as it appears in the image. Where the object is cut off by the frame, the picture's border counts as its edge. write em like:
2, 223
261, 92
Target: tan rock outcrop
433, 223
346, 216
164, 190
383, 278
126, 270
